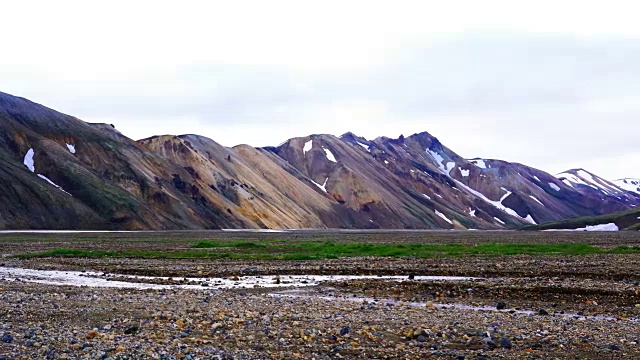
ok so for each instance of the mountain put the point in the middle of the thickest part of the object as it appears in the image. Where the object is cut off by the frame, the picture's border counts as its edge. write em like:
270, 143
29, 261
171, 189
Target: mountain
632, 185
103, 180
59, 172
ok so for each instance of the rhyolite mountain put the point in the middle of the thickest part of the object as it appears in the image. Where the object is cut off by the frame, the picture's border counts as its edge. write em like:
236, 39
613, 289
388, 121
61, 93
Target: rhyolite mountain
58, 172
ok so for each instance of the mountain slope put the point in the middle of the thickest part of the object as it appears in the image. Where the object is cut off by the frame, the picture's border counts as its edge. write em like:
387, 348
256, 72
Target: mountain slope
624, 220
59, 172
109, 181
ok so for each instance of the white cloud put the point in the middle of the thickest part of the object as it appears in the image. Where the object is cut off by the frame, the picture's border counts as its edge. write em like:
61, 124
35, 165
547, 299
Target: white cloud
546, 83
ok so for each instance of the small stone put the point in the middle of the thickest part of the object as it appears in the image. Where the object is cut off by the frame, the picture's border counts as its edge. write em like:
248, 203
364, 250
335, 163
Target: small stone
501, 305
345, 330
132, 330
411, 277
7, 339
543, 312
91, 334
615, 347
422, 339
506, 343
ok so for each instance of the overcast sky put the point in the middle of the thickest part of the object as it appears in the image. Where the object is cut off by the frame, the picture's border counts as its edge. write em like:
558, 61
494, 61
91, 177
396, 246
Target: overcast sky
551, 84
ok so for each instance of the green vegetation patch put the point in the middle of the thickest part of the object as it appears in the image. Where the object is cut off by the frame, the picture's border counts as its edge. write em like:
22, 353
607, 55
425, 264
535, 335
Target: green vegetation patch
333, 250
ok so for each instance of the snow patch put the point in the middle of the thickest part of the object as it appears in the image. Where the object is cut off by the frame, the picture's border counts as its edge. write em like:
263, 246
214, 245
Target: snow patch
52, 183
472, 212
366, 147
601, 227
323, 186
445, 169
479, 163
329, 154
498, 220
529, 218
536, 200
72, 148
307, 147
497, 204
444, 217
464, 173
571, 179
28, 160
386, 162
427, 196
537, 179
632, 185
554, 186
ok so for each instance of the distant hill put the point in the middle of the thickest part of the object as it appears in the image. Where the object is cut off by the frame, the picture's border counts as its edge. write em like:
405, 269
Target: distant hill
625, 220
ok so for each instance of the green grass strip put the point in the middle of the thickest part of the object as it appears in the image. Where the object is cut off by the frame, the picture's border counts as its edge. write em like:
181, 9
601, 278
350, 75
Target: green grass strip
332, 250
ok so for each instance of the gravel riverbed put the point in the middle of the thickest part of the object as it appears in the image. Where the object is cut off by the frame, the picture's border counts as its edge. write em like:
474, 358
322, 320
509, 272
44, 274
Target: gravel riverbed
543, 317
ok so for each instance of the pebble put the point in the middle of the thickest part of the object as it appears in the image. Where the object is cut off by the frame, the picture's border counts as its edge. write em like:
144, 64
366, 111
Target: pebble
344, 331
7, 339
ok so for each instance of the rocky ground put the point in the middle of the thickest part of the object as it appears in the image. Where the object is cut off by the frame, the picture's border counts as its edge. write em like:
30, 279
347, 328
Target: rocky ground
517, 307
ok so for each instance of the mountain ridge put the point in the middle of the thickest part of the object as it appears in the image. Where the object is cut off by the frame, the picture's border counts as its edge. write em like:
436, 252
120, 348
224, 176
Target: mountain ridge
81, 175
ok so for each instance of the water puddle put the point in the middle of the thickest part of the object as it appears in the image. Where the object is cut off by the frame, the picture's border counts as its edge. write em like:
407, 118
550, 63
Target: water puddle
95, 279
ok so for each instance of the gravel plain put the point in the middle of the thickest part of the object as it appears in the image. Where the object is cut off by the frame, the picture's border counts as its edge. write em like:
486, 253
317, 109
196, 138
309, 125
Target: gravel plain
516, 307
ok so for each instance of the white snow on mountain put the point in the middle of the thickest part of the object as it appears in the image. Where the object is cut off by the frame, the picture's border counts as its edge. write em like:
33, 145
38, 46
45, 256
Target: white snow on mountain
582, 177
329, 155
601, 227
52, 183
497, 204
632, 185
445, 169
28, 160
444, 217
366, 147
323, 186
479, 163
72, 148
536, 199
307, 146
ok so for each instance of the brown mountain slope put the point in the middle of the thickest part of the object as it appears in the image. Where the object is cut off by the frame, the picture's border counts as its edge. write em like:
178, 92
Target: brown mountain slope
58, 172
252, 184
110, 181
